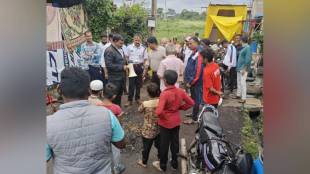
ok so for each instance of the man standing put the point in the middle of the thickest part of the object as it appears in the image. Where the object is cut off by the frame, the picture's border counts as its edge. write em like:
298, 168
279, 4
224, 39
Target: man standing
103, 48
193, 77
102, 45
90, 52
155, 56
116, 65
81, 148
137, 55
243, 67
230, 61
186, 50
104, 40
171, 62
211, 79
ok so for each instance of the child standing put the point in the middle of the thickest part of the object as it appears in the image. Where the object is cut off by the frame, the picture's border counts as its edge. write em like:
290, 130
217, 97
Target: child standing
109, 94
150, 129
171, 100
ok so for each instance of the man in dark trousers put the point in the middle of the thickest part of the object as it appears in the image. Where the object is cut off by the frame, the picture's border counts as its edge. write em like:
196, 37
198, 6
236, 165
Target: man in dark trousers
116, 65
137, 55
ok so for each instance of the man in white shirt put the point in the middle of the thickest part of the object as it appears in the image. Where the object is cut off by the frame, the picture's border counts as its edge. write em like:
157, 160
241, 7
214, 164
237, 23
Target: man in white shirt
171, 62
137, 55
103, 48
230, 61
186, 50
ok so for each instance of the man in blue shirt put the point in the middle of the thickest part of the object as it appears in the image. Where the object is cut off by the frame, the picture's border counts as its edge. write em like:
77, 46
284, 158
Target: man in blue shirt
91, 53
243, 67
79, 135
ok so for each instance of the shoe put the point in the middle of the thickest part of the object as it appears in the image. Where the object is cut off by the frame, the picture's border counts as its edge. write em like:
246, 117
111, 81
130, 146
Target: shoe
242, 101
139, 162
236, 97
156, 164
189, 121
172, 168
128, 104
119, 169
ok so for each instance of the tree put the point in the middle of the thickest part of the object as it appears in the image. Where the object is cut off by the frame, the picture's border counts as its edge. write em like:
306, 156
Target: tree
129, 21
99, 14
192, 15
171, 12
160, 12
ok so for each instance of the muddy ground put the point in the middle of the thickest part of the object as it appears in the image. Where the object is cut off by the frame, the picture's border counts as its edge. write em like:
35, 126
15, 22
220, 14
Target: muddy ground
230, 119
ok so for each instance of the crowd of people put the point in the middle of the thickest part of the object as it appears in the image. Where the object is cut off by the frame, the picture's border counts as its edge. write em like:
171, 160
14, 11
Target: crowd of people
85, 135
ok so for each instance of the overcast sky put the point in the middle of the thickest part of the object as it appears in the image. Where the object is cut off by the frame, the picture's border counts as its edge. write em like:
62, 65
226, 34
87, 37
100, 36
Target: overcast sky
179, 5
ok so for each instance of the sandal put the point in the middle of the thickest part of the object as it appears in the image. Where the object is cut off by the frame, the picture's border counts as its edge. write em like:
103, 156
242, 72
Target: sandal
189, 121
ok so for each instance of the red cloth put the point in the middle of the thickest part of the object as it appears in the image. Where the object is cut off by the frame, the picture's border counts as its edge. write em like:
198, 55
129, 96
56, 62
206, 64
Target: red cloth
171, 100
115, 109
198, 70
211, 78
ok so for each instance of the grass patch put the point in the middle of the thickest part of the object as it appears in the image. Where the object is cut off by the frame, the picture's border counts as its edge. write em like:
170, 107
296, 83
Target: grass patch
178, 28
252, 134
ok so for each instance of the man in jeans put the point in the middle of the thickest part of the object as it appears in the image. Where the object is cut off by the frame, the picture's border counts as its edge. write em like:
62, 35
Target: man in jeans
137, 55
243, 67
79, 135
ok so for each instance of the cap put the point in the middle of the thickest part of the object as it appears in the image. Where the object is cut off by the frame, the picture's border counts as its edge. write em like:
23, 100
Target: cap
96, 85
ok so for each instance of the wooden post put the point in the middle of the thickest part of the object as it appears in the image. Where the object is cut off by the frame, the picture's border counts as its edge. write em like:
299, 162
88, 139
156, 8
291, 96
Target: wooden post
184, 153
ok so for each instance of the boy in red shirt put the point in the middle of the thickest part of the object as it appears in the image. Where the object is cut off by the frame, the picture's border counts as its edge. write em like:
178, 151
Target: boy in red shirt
171, 101
211, 79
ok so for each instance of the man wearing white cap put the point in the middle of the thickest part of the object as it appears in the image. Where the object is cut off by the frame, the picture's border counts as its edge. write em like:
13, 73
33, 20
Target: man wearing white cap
96, 87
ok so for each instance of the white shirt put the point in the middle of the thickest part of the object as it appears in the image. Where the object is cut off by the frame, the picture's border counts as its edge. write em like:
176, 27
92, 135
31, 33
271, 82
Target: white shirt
103, 48
230, 54
187, 53
171, 62
136, 54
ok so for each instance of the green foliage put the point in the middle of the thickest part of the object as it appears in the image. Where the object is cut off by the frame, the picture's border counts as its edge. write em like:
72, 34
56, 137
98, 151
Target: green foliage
252, 133
178, 28
130, 20
192, 15
99, 15
258, 36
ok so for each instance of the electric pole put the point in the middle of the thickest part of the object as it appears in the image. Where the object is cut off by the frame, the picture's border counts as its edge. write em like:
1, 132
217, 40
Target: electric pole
154, 12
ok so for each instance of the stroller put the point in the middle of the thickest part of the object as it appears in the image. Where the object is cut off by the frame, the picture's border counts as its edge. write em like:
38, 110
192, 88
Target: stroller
211, 153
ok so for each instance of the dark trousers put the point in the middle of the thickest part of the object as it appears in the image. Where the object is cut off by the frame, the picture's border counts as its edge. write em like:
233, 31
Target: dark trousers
196, 106
135, 84
119, 90
169, 138
147, 145
155, 79
96, 73
231, 78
